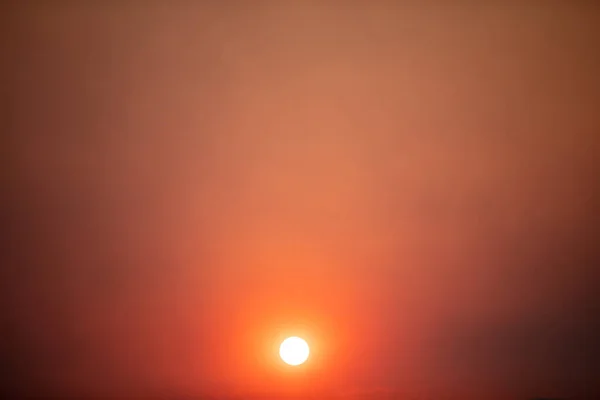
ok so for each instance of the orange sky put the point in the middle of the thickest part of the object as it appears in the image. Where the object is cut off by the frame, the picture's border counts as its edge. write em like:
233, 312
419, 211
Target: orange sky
412, 189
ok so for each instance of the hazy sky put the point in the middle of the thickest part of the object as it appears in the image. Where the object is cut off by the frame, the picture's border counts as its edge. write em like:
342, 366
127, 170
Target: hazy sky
412, 188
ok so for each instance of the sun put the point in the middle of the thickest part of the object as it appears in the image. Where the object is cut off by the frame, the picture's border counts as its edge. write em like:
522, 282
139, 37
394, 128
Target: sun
294, 350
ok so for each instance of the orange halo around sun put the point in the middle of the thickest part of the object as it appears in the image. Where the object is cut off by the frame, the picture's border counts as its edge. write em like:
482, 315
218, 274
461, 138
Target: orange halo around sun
294, 350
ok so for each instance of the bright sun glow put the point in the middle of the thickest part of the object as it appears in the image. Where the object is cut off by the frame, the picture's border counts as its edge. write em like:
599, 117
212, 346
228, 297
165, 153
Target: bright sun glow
294, 350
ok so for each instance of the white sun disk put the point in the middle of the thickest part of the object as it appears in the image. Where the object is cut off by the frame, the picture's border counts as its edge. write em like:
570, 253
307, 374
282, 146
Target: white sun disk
294, 350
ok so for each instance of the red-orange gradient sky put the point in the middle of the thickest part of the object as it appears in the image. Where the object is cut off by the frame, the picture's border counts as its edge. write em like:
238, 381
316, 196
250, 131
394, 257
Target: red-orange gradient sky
412, 188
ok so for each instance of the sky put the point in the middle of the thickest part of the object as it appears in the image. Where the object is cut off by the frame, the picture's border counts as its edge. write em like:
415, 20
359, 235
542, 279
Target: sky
412, 188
